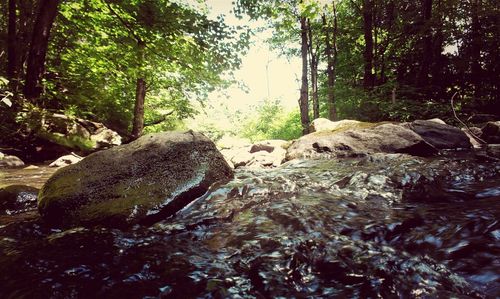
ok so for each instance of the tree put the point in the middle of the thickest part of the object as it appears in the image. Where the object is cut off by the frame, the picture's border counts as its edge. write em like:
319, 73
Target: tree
368, 79
136, 65
12, 42
47, 11
304, 94
331, 59
426, 59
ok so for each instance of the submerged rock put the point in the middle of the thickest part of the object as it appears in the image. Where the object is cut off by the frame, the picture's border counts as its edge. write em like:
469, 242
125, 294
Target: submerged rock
141, 182
16, 199
385, 138
440, 135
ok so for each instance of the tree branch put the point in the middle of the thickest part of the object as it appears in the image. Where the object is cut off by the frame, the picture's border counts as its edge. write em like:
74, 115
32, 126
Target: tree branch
124, 23
466, 126
160, 120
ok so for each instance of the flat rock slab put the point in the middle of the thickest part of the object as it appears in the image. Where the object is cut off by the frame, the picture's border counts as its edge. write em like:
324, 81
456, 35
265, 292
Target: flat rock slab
141, 182
385, 138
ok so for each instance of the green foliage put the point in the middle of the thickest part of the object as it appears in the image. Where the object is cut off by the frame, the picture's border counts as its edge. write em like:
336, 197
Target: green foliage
355, 103
270, 121
95, 59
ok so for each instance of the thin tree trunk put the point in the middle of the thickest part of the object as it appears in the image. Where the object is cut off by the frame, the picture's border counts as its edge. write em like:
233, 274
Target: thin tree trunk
140, 94
476, 69
331, 58
24, 34
437, 47
304, 96
368, 52
390, 12
46, 15
12, 43
426, 58
313, 54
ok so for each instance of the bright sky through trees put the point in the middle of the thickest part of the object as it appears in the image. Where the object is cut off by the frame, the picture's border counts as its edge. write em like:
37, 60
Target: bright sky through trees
265, 74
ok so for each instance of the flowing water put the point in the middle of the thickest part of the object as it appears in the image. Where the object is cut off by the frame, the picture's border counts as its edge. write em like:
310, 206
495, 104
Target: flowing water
384, 226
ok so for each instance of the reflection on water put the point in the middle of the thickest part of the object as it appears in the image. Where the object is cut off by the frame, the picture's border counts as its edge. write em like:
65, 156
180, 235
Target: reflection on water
382, 227
34, 177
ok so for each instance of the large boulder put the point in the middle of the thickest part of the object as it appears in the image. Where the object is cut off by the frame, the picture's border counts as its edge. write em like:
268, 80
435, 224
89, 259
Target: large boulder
142, 182
441, 136
385, 138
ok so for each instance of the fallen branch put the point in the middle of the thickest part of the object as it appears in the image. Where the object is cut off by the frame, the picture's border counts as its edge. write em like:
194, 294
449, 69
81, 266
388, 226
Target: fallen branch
464, 124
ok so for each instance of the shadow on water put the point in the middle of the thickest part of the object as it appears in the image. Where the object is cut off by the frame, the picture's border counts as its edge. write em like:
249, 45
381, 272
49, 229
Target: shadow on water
387, 226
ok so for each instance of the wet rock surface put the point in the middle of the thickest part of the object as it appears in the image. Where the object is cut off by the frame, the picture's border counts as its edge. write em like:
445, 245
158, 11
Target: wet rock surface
262, 154
440, 135
385, 138
351, 228
15, 199
144, 181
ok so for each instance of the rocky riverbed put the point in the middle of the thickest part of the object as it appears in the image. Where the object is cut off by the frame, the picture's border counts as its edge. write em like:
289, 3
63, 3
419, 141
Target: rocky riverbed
381, 225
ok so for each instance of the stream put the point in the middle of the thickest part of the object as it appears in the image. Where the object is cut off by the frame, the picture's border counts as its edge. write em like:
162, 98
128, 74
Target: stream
382, 226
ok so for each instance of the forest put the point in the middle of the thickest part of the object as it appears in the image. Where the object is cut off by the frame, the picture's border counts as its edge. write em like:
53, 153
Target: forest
142, 65
132, 167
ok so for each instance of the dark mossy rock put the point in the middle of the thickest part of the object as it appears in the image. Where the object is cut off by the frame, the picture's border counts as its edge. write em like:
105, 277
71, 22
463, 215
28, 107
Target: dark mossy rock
441, 136
491, 132
16, 199
140, 182
383, 138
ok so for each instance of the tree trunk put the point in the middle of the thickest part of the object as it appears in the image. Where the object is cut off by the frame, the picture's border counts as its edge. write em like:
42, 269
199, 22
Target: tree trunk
47, 11
331, 58
12, 43
368, 52
426, 55
304, 96
140, 94
313, 54
390, 17
26, 10
476, 69
439, 62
